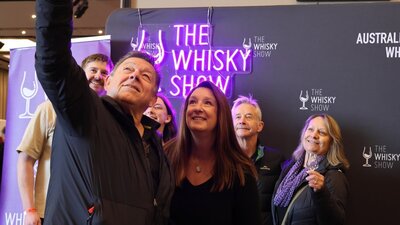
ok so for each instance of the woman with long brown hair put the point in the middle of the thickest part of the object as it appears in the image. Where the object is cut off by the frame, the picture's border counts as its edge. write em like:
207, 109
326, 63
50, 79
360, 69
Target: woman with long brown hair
215, 180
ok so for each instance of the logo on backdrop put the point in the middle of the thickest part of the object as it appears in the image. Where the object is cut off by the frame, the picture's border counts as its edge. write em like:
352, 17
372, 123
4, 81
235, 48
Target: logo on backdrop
262, 48
367, 154
387, 39
188, 57
316, 100
156, 49
304, 99
379, 157
28, 89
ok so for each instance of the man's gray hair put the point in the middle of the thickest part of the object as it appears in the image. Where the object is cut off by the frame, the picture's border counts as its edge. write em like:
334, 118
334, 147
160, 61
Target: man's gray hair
247, 100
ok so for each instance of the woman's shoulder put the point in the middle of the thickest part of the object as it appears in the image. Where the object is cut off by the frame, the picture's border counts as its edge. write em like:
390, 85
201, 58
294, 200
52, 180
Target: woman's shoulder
335, 169
336, 179
335, 173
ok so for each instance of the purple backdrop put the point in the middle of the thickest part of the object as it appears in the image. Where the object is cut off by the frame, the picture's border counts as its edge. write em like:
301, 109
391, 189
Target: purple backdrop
24, 95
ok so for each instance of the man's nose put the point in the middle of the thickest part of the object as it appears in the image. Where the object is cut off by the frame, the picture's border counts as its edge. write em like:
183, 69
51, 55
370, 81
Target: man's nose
241, 120
132, 77
98, 76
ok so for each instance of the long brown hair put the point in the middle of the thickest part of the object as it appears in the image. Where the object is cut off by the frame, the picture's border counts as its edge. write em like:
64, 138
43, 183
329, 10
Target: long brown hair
230, 159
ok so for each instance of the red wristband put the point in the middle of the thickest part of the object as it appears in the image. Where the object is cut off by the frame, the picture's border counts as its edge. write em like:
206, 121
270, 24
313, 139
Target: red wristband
29, 210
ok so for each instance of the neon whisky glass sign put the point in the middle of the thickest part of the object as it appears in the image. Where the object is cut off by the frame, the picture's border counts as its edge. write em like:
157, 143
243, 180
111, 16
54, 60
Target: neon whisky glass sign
187, 57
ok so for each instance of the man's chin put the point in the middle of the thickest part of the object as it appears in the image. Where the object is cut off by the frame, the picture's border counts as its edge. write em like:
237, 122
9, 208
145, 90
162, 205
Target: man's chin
242, 135
99, 91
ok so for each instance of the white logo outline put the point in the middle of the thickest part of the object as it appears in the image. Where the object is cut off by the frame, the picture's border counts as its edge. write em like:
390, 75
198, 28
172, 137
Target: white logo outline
303, 100
367, 155
28, 94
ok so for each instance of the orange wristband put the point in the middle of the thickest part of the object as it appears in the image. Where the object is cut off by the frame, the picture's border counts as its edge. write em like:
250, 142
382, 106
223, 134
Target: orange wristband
29, 210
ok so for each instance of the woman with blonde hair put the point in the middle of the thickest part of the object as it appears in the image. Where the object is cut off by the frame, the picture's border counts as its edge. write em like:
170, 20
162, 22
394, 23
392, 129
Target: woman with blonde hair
312, 188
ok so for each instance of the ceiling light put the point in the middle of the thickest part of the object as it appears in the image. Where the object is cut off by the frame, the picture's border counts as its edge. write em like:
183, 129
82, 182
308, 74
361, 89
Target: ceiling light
33, 16
100, 31
23, 32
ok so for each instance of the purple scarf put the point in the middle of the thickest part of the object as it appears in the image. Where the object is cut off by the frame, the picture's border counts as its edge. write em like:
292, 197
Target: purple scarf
291, 181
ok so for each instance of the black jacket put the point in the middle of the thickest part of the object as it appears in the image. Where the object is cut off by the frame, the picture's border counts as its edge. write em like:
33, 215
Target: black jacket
268, 164
324, 207
98, 159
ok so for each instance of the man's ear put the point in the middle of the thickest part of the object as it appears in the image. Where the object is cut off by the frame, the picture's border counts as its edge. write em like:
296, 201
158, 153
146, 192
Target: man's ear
107, 80
260, 126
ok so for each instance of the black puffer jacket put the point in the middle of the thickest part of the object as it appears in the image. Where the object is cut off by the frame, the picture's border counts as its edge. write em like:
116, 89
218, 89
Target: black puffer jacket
268, 164
324, 207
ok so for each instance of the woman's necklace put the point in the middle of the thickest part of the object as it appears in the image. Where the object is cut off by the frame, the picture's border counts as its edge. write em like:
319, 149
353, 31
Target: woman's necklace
198, 169
196, 165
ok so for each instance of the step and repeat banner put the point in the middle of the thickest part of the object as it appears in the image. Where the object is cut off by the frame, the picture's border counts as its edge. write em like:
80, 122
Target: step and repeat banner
343, 60
24, 95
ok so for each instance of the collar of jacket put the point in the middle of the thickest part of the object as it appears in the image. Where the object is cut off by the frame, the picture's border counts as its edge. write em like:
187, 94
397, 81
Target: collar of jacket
324, 166
124, 118
259, 152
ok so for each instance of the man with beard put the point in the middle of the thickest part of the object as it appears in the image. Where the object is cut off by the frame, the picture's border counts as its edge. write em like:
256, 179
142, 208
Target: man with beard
97, 67
37, 140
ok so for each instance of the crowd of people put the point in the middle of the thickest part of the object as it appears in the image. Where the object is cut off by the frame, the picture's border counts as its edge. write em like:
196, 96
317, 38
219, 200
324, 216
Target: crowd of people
37, 141
118, 155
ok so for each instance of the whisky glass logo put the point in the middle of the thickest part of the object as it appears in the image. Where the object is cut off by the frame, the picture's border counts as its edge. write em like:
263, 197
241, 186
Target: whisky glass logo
367, 154
141, 46
304, 100
28, 89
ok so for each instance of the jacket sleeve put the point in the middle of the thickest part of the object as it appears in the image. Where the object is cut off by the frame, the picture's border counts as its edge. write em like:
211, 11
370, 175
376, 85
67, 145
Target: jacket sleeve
330, 202
61, 78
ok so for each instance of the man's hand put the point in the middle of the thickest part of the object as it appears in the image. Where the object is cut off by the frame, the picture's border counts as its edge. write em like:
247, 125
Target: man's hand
32, 218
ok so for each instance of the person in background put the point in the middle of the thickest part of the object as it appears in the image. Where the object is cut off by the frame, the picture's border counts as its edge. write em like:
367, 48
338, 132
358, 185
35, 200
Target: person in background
97, 67
163, 112
313, 188
247, 120
215, 180
108, 166
37, 140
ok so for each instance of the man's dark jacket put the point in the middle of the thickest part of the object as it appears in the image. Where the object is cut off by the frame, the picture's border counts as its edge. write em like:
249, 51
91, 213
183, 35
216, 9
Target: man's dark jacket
100, 173
268, 164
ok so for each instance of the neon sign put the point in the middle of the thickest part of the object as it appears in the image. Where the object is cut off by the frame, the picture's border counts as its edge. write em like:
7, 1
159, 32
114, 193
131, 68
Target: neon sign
187, 57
